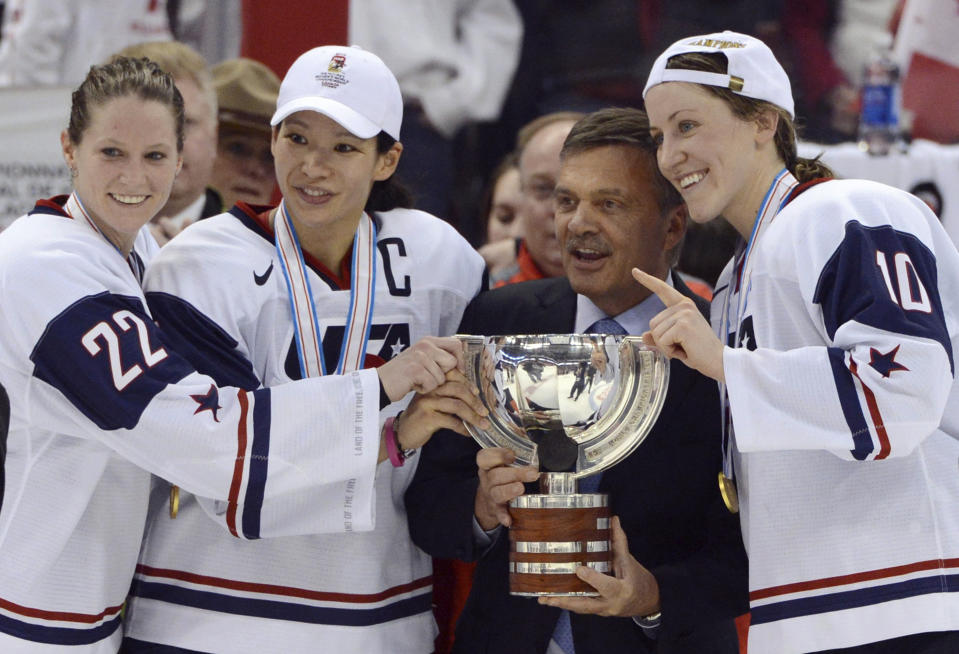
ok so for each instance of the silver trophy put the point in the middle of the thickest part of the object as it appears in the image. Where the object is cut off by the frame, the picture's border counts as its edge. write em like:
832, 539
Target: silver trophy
574, 405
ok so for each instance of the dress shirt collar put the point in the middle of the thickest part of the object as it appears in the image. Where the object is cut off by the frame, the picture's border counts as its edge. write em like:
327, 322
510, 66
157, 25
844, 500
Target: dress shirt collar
634, 320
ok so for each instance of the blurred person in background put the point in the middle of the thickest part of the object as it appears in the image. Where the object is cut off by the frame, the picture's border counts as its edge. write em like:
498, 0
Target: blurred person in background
54, 42
454, 62
502, 206
246, 93
502, 213
539, 143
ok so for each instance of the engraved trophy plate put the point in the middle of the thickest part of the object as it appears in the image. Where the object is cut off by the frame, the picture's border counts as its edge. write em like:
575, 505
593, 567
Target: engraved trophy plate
574, 405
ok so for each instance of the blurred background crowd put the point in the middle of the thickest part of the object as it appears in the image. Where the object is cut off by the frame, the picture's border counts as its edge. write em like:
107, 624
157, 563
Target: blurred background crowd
473, 74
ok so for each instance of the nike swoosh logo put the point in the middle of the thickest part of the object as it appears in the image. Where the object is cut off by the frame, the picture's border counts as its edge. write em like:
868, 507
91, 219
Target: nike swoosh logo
261, 279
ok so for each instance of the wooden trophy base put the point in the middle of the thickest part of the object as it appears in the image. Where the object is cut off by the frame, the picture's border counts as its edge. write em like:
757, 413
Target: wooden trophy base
551, 536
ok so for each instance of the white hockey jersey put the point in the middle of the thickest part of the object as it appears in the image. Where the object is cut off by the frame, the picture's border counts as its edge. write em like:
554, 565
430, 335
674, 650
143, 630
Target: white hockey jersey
218, 287
846, 416
99, 397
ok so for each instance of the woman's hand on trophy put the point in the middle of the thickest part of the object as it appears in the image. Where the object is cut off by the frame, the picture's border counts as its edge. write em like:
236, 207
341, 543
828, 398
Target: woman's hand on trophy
681, 331
422, 366
499, 482
632, 592
447, 406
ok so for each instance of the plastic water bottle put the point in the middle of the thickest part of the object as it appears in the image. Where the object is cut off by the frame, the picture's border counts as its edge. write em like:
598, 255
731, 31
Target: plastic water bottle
879, 117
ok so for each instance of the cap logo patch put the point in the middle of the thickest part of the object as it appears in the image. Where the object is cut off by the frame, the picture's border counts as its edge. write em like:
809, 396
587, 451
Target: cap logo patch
333, 77
717, 43
337, 63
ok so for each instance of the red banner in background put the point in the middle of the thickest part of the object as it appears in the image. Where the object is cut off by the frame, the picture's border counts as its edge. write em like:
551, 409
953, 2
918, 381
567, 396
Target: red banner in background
276, 32
929, 59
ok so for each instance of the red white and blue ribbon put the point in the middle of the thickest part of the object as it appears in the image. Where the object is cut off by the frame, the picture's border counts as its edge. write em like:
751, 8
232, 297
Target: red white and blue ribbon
306, 327
74, 207
775, 199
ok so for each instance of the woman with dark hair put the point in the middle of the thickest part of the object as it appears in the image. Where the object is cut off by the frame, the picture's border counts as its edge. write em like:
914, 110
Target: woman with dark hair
342, 276
502, 212
99, 397
502, 200
835, 355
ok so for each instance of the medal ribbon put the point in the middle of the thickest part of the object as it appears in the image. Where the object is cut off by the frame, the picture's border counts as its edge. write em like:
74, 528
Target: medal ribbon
775, 199
306, 327
74, 207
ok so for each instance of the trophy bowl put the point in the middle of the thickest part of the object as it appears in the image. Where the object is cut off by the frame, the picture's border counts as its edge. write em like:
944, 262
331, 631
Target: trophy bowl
573, 405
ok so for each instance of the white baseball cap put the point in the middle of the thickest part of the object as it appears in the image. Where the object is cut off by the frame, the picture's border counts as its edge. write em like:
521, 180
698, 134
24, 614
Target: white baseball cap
346, 83
752, 70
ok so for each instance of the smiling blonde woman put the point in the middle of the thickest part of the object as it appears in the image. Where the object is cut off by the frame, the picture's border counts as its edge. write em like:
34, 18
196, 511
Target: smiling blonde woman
836, 350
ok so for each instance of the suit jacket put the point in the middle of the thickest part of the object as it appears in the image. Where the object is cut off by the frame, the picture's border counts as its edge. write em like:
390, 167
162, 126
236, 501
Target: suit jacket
213, 205
665, 494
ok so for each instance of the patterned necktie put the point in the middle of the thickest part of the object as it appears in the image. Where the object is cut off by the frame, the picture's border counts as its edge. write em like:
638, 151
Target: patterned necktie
606, 326
563, 633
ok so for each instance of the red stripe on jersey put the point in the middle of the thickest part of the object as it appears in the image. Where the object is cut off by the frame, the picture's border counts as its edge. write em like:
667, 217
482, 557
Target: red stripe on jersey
884, 446
805, 186
61, 616
238, 465
52, 203
841, 580
289, 591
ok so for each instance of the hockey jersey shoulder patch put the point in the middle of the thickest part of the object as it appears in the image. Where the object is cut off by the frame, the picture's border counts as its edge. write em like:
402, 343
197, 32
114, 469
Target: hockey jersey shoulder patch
884, 278
107, 357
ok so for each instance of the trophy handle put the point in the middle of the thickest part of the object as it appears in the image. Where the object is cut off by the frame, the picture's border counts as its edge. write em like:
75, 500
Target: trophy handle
478, 354
626, 425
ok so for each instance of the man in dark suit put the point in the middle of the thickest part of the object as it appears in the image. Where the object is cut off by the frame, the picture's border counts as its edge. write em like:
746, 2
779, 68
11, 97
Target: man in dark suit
678, 557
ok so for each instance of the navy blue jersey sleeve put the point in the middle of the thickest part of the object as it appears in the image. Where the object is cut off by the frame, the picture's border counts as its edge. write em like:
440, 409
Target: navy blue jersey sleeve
201, 341
107, 357
851, 312
883, 278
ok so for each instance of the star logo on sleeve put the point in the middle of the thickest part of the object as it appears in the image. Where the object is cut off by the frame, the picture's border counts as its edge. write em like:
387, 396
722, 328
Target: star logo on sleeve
746, 335
209, 401
885, 364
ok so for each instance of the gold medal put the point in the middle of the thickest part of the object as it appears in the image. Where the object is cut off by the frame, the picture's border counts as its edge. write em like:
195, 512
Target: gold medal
175, 500
727, 488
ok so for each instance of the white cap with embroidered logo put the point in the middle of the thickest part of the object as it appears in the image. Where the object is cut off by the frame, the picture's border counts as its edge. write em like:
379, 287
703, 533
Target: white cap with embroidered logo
752, 71
347, 84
